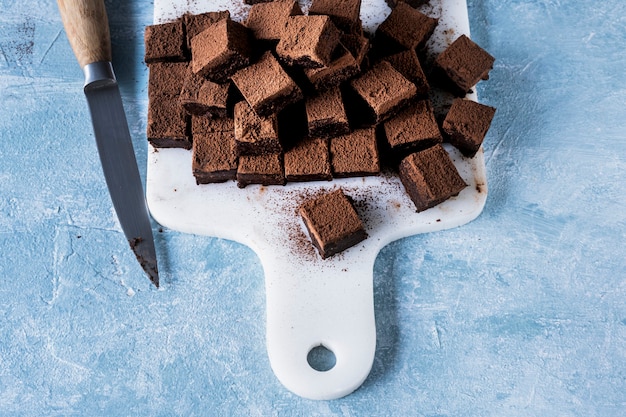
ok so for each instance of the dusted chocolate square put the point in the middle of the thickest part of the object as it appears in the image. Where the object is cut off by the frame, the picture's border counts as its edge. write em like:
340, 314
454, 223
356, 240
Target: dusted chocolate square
407, 27
213, 153
332, 222
430, 177
463, 64
220, 50
384, 90
196, 23
308, 161
343, 13
166, 78
255, 135
164, 42
167, 124
266, 86
326, 114
264, 169
267, 21
308, 41
412, 129
355, 154
466, 125
200, 96
408, 64
342, 68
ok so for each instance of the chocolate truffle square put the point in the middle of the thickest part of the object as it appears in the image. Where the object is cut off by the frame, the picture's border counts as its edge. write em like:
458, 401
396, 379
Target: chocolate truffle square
220, 50
196, 23
430, 177
267, 21
264, 169
355, 154
167, 124
213, 154
412, 129
200, 96
166, 78
308, 41
326, 114
309, 160
343, 13
463, 64
266, 86
407, 27
466, 125
384, 90
255, 135
332, 222
164, 42
408, 64
342, 68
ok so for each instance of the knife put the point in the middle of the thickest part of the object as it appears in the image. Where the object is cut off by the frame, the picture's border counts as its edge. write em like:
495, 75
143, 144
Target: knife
87, 28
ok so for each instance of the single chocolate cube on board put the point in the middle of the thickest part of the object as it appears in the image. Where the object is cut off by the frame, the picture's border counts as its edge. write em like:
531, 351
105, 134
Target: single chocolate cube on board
308, 41
255, 135
408, 64
332, 222
213, 153
264, 169
412, 129
267, 21
167, 123
344, 13
466, 125
309, 160
355, 154
220, 50
407, 27
430, 177
200, 96
196, 23
165, 42
266, 86
384, 90
462, 65
326, 114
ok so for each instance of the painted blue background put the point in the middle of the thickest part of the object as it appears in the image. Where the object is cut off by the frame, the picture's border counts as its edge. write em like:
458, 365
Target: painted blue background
519, 313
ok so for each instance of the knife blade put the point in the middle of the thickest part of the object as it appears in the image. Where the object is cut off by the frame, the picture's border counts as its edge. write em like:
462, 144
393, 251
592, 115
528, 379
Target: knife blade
87, 28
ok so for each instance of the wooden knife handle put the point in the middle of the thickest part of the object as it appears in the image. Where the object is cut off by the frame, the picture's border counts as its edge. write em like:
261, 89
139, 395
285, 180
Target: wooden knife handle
87, 28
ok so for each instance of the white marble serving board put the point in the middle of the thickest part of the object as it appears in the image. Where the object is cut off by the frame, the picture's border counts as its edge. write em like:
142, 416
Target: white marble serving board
310, 301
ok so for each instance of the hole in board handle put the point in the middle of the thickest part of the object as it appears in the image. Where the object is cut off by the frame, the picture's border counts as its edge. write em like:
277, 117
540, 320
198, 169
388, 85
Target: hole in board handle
321, 358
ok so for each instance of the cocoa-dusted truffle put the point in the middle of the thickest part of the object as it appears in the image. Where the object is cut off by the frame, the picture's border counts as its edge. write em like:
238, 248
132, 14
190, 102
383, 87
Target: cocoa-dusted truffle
213, 153
412, 129
332, 222
166, 78
355, 154
167, 123
343, 13
164, 42
266, 169
201, 96
407, 27
266, 86
267, 21
255, 135
430, 177
384, 90
308, 161
196, 23
342, 68
220, 50
326, 114
466, 125
308, 41
462, 65
407, 64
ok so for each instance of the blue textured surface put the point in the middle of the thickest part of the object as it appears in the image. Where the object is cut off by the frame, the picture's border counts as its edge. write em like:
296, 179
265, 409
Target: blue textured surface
519, 313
